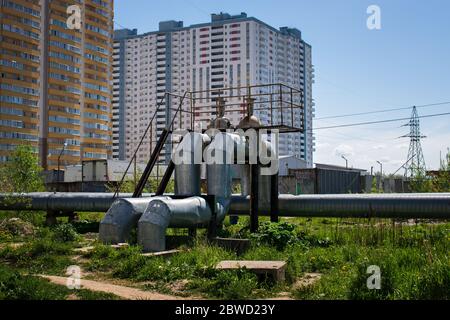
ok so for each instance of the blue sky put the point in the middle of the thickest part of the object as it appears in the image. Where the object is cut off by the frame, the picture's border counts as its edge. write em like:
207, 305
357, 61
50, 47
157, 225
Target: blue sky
405, 63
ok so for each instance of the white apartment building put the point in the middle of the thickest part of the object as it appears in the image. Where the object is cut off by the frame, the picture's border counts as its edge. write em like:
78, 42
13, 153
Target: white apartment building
230, 51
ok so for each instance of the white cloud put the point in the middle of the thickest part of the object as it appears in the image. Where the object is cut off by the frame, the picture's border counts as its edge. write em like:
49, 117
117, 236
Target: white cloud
379, 147
344, 150
323, 145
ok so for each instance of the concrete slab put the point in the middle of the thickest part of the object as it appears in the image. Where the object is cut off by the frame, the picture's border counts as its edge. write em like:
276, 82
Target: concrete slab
90, 248
164, 254
276, 269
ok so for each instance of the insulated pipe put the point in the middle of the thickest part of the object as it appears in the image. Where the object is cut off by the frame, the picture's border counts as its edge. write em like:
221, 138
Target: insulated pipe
65, 202
403, 205
185, 213
268, 156
219, 155
191, 212
122, 218
187, 159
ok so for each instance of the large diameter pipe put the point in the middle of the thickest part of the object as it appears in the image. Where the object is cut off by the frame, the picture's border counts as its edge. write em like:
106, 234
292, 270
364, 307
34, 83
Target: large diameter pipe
423, 205
160, 214
187, 167
219, 156
65, 202
432, 206
123, 216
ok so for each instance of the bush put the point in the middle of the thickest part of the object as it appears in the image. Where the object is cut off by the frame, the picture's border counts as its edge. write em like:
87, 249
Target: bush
86, 226
16, 227
65, 233
22, 174
278, 234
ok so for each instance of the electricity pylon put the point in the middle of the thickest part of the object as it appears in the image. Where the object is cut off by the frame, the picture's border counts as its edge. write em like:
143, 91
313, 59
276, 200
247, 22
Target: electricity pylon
416, 162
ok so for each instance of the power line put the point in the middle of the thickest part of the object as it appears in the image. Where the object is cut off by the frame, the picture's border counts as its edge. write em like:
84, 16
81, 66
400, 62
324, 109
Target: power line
416, 164
381, 111
121, 26
380, 121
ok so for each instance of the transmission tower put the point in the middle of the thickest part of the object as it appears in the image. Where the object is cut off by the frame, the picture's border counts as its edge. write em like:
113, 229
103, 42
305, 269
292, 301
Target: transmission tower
415, 164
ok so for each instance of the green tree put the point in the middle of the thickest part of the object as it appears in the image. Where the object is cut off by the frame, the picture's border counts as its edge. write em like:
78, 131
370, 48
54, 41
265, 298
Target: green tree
439, 182
442, 181
151, 186
22, 174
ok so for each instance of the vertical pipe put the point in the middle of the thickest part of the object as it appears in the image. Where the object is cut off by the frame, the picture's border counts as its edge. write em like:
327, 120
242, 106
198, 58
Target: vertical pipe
135, 173
274, 198
254, 198
292, 110
271, 109
192, 111
281, 104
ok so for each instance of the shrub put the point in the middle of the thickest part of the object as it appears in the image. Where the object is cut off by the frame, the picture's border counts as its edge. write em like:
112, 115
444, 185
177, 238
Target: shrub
86, 226
65, 233
16, 227
278, 234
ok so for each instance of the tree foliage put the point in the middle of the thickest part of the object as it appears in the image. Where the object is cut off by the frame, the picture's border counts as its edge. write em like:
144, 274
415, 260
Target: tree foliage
438, 182
22, 174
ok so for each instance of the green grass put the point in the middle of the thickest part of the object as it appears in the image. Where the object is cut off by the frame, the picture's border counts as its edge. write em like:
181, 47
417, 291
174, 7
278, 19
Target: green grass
49, 252
413, 258
15, 286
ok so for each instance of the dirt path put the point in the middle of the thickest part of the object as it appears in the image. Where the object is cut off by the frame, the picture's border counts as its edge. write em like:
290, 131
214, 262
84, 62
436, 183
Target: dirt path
120, 291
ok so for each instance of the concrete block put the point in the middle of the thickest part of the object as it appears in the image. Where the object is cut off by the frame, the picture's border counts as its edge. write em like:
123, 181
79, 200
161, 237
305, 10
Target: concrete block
276, 269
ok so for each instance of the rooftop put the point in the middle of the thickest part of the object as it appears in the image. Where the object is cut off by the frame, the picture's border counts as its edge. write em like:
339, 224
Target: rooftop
216, 19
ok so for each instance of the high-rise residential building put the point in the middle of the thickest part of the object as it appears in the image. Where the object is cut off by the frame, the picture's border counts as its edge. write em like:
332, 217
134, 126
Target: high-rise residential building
230, 51
55, 84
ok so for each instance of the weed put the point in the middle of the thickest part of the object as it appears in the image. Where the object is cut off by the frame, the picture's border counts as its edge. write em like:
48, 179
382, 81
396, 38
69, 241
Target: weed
229, 285
278, 235
65, 232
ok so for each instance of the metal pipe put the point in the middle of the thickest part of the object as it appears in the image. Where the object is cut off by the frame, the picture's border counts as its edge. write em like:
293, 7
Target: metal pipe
404, 205
123, 216
161, 214
190, 212
187, 160
219, 155
430, 206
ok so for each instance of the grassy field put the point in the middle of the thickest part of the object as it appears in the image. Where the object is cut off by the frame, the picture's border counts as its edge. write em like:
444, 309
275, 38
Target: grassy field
412, 256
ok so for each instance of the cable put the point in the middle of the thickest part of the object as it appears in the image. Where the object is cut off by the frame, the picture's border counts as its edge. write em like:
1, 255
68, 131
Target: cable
380, 121
118, 24
381, 111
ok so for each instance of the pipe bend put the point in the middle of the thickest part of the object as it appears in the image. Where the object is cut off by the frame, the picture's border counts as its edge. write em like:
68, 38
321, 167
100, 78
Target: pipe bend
164, 213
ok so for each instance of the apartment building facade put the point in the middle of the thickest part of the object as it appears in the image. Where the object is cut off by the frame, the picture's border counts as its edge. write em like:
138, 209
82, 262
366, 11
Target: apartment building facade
230, 51
55, 84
